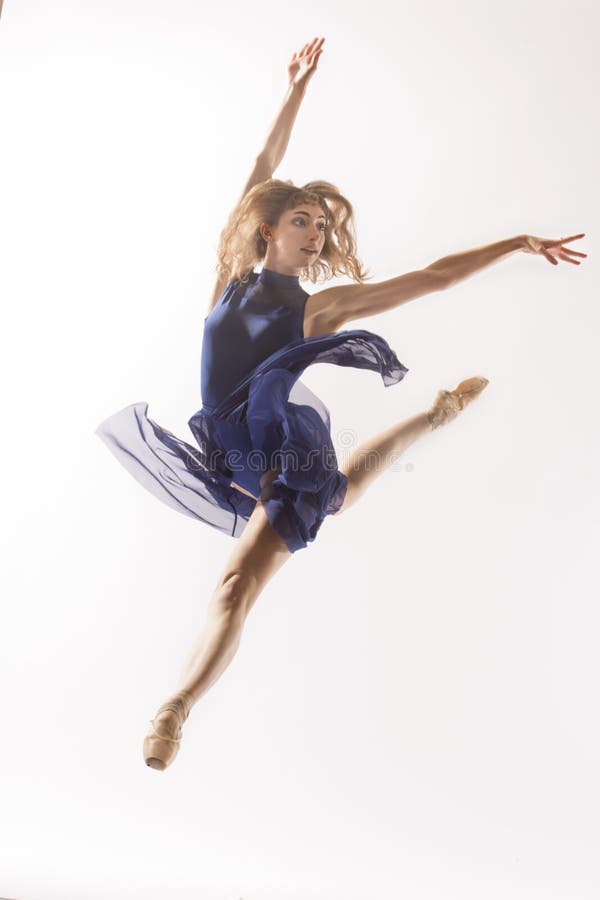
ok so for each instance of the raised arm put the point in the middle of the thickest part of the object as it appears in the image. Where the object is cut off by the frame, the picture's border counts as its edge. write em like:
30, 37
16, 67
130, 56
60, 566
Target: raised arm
300, 69
338, 305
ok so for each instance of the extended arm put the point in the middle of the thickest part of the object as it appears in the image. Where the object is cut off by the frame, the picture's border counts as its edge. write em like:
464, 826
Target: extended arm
300, 70
460, 265
277, 139
279, 134
337, 305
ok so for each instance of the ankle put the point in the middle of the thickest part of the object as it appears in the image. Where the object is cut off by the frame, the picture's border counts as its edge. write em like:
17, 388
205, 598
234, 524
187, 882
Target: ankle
185, 700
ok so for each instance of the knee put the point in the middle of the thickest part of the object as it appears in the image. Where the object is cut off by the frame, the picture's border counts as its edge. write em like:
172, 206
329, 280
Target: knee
234, 592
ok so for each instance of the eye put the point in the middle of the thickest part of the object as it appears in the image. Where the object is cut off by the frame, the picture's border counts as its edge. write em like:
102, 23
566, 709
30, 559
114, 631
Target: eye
303, 222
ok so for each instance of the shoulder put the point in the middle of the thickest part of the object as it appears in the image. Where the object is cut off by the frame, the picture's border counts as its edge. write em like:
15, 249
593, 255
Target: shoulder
223, 288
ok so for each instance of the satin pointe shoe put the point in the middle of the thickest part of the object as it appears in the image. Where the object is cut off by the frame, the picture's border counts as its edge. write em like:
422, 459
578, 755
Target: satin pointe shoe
159, 748
448, 404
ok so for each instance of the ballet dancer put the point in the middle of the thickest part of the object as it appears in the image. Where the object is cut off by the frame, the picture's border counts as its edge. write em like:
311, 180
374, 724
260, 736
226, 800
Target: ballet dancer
261, 332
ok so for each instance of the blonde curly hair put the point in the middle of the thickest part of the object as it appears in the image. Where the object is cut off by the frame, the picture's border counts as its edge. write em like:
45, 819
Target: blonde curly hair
241, 244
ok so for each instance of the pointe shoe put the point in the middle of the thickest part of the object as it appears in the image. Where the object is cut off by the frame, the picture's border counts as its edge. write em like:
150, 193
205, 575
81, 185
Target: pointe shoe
159, 749
448, 404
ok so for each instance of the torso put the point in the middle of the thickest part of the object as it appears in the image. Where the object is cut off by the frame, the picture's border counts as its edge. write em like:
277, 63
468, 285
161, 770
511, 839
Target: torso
306, 317
315, 323
250, 322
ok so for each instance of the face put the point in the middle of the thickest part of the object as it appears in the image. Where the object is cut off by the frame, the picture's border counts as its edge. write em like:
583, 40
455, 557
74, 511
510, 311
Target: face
298, 230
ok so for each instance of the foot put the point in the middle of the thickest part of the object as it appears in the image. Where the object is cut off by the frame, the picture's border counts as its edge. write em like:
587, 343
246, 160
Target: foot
448, 404
161, 744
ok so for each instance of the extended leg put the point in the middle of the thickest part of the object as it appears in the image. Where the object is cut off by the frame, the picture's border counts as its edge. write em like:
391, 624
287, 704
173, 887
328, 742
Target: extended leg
377, 454
373, 457
258, 554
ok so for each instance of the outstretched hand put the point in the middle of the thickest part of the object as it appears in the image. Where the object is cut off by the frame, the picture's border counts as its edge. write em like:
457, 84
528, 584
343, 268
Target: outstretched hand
552, 248
304, 64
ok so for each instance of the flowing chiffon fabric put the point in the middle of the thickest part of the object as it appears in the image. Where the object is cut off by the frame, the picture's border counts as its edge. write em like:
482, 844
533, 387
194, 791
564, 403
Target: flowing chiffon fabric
256, 416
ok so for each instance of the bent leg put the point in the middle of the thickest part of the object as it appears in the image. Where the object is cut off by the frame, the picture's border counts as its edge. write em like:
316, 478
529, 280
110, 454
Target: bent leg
376, 455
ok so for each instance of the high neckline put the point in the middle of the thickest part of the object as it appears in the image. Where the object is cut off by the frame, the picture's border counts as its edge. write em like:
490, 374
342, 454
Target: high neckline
278, 279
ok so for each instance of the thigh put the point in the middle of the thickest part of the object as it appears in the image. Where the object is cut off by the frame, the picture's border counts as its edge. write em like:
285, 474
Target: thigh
259, 552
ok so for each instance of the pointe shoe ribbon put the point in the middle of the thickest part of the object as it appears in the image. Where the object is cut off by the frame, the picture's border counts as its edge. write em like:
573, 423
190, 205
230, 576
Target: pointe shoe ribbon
160, 750
448, 404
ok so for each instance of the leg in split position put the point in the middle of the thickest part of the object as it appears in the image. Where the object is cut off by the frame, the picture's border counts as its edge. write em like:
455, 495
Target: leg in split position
376, 455
258, 554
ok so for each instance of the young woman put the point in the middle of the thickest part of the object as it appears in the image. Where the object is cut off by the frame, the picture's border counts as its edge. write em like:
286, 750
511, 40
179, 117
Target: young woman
266, 471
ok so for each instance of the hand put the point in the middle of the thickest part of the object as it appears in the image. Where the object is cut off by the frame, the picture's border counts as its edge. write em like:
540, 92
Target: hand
547, 247
304, 64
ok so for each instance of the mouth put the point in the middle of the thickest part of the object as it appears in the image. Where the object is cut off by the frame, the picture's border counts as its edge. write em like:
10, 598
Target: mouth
308, 250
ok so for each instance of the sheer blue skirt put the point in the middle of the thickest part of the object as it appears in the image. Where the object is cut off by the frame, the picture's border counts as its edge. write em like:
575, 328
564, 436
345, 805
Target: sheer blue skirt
269, 421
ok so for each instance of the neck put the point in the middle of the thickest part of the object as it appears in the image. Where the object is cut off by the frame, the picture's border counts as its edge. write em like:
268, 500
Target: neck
275, 277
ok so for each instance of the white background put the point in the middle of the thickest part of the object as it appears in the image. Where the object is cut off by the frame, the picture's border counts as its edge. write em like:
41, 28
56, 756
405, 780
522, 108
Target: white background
413, 710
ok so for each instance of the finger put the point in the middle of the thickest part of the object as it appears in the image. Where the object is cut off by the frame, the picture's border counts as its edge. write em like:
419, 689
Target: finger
574, 237
558, 245
568, 259
315, 47
573, 252
549, 257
